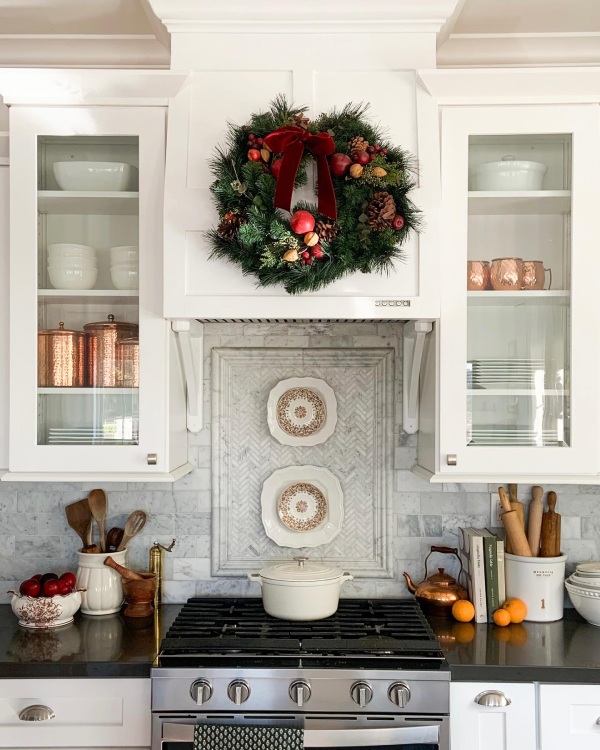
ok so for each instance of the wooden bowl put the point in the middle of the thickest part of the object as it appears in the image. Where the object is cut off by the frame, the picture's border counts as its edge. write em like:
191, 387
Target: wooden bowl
139, 595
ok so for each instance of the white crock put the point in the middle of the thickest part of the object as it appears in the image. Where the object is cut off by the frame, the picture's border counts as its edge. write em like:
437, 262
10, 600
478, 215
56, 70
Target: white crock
300, 590
508, 174
104, 591
539, 582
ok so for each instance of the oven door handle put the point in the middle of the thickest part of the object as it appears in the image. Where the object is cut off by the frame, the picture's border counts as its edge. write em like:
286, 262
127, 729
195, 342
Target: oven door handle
413, 735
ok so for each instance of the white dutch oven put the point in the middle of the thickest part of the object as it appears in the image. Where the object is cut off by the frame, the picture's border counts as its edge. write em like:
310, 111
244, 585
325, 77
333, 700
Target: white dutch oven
300, 590
508, 174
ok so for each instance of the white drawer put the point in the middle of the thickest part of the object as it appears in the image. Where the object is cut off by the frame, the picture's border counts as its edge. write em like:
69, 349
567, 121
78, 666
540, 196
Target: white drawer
569, 716
87, 713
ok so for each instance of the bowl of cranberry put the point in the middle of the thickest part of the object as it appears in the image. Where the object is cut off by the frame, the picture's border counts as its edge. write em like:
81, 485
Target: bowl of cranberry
46, 601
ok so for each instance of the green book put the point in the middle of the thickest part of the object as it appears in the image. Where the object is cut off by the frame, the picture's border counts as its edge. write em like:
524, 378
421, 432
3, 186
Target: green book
490, 551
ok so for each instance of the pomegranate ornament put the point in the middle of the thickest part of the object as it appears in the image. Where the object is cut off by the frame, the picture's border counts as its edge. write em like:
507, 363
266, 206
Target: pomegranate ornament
302, 222
340, 164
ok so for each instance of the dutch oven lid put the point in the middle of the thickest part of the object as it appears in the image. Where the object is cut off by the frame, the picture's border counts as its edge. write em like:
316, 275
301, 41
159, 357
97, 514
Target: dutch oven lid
111, 323
58, 331
301, 569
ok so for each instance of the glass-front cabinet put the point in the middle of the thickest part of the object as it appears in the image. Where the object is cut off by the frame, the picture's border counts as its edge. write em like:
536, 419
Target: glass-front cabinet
518, 341
91, 356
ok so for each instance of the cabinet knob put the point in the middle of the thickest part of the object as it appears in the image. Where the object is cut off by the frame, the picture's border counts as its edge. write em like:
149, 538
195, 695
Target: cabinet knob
598, 720
451, 459
201, 691
492, 699
152, 459
300, 692
399, 693
238, 692
36, 713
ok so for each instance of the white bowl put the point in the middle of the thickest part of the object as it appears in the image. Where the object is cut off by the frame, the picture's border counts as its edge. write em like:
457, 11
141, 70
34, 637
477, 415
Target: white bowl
591, 569
123, 278
72, 278
508, 174
95, 175
75, 263
124, 253
586, 602
125, 264
576, 580
61, 249
43, 612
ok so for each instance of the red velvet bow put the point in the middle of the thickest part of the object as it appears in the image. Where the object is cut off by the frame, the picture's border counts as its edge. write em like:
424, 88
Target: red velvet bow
291, 141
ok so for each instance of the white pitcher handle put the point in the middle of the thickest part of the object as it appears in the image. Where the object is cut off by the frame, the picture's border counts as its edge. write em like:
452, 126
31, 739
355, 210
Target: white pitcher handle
256, 577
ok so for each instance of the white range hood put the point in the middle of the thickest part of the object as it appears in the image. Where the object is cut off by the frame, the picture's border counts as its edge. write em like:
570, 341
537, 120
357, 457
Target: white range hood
320, 54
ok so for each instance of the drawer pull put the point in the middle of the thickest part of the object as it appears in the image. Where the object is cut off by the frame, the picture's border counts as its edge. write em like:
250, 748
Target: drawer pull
598, 720
492, 699
36, 713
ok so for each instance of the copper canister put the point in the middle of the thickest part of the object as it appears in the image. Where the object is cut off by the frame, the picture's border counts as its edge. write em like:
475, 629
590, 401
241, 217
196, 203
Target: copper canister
128, 362
61, 358
102, 369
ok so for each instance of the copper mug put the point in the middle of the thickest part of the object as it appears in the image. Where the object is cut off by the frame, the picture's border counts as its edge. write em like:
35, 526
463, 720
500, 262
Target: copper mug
478, 275
534, 275
506, 274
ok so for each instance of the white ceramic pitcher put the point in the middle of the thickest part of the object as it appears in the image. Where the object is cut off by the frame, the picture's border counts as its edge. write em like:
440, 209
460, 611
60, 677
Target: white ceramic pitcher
104, 591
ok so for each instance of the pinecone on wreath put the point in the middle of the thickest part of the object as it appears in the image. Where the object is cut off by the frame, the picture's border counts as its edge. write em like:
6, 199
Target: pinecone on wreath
327, 231
381, 211
357, 144
230, 223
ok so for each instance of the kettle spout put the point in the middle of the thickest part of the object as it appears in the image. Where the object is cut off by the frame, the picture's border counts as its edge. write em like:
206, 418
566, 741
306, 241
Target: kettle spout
411, 586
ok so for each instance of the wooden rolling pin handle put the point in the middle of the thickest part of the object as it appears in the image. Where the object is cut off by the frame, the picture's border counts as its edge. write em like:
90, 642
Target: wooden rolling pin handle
515, 533
130, 575
552, 501
504, 501
534, 529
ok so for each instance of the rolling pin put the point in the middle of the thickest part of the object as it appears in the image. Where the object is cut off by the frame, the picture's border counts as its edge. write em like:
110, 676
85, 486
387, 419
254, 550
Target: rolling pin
534, 528
516, 504
550, 545
515, 533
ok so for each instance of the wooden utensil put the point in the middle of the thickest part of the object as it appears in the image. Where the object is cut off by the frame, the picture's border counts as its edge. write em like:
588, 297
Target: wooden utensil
130, 575
79, 518
139, 595
98, 506
517, 506
551, 521
134, 524
515, 533
534, 527
113, 538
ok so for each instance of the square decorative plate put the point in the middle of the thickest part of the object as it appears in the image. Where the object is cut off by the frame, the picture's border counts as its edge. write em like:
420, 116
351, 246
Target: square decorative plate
302, 506
302, 411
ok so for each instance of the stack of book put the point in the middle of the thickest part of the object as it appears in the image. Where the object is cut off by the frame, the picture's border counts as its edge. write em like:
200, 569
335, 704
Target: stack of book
482, 558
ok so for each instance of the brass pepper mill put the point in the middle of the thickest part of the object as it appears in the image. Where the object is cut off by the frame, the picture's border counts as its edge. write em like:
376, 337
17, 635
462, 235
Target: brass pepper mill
155, 566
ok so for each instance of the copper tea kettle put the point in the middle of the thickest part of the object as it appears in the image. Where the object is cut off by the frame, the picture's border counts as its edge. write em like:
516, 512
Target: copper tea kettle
437, 593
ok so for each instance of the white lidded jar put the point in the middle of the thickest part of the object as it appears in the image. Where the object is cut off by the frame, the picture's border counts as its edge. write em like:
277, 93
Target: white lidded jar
300, 590
103, 589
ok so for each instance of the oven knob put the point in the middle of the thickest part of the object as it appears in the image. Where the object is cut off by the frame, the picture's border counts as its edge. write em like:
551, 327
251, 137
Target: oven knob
399, 693
300, 692
361, 693
238, 692
201, 691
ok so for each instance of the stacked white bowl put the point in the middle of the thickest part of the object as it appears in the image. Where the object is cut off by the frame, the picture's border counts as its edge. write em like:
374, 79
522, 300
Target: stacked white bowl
124, 266
72, 266
584, 591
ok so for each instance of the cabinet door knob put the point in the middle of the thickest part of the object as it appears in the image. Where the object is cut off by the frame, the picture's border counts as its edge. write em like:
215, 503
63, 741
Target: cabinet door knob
598, 720
492, 699
152, 459
451, 459
36, 712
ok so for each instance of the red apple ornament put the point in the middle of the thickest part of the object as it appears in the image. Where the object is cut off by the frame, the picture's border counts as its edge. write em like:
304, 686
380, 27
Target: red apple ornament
397, 222
254, 154
302, 222
317, 251
362, 157
340, 164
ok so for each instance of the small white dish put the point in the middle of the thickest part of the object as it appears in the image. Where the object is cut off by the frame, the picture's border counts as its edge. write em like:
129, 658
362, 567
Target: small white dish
70, 250
302, 411
124, 278
72, 278
282, 501
124, 253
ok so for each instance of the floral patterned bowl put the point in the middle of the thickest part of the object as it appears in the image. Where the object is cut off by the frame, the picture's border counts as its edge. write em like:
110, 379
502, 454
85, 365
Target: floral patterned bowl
44, 611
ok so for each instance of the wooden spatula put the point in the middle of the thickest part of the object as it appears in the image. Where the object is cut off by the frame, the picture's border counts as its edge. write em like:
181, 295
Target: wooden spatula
550, 545
534, 528
79, 518
98, 505
134, 524
515, 533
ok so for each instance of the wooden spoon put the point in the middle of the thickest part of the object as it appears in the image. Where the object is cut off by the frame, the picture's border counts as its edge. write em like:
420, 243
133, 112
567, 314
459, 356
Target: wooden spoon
98, 506
134, 524
113, 538
79, 518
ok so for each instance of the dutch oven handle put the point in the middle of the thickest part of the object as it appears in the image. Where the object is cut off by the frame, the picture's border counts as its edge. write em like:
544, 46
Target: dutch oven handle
445, 551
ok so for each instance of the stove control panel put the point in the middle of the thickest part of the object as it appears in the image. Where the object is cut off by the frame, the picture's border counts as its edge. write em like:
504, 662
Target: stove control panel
300, 692
362, 693
201, 691
238, 692
399, 693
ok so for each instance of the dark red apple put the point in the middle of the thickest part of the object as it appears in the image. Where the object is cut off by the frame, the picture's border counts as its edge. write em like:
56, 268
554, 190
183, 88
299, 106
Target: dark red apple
275, 167
302, 222
47, 577
64, 587
51, 587
340, 164
70, 578
30, 587
37, 576
362, 158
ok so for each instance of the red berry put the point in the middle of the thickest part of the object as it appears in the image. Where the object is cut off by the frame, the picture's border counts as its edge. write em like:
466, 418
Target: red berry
372, 156
361, 157
308, 261
377, 148
384, 151
370, 149
251, 137
317, 251
259, 141
254, 154
302, 222
306, 255
397, 222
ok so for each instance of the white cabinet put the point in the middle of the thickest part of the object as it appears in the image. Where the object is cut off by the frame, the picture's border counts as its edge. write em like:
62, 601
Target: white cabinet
123, 417
4, 300
81, 713
569, 717
482, 718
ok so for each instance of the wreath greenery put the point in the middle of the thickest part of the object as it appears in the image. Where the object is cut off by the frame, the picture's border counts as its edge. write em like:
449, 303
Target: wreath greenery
310, 249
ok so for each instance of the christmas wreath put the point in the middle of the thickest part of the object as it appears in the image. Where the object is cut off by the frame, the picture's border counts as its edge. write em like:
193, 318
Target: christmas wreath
363, 215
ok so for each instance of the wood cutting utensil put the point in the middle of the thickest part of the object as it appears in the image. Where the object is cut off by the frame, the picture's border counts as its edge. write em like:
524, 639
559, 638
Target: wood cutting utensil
551, 522
515, 533
516, 505
98, 506
534, 527
134, 524
79, 518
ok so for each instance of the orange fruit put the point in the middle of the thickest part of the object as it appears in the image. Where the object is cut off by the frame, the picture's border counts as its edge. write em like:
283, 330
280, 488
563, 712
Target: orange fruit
516, 608
463, 610
502, 617
463, 632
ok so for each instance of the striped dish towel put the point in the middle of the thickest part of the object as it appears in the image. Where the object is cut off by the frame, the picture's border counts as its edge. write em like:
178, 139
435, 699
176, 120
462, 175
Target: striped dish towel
228, 737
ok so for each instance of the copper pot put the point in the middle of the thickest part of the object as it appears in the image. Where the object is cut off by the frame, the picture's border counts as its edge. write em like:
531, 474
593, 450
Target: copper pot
478, 275
61, 358
102, 370
534, 275
128, 362
506, 274
437, 593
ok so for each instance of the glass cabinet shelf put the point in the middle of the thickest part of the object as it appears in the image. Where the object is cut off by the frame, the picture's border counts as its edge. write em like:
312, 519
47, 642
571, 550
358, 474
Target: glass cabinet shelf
523, 297
87, 391
506, 202
89, 203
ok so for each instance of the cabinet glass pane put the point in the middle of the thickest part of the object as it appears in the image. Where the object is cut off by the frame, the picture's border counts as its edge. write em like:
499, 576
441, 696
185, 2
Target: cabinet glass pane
88, 298
518, 291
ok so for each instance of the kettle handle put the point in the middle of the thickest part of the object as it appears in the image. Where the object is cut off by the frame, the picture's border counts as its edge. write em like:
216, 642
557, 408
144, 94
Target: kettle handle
445, 551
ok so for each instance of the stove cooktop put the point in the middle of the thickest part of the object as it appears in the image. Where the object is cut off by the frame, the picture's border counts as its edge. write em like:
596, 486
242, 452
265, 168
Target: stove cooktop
383, 633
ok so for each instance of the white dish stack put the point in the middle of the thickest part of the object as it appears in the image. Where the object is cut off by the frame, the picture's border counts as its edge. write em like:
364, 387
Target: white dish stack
124, 266
72, 266
583, 587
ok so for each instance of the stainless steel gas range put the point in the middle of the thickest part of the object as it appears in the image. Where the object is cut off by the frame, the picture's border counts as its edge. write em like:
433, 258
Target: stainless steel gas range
371, 676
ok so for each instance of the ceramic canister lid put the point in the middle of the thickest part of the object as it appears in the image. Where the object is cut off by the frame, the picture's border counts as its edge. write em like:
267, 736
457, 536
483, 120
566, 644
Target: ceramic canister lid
301, 570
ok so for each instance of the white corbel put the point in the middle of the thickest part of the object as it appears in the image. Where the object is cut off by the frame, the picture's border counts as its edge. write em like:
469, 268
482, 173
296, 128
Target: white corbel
413, 334
190, 341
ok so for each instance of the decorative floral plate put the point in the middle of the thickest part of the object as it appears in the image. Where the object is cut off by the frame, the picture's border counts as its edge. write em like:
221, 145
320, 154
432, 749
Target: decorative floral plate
302, 506
302, 411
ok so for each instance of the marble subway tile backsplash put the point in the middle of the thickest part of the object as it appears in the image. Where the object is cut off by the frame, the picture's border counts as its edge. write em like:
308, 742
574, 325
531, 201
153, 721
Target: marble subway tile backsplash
35, 537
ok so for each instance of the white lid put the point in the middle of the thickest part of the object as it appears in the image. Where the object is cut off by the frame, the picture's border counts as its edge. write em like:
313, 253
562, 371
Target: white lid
300, 570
